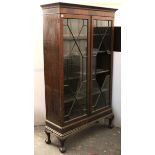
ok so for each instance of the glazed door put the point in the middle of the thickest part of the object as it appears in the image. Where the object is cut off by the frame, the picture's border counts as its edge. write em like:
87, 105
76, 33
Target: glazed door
101, 62
75, 60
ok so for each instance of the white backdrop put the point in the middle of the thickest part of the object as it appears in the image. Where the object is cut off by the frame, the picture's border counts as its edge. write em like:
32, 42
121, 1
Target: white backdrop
39, 97
21, 29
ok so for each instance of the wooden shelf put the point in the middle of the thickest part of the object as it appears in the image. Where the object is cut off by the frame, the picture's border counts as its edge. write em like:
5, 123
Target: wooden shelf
101, 34
97, 51
65, 37
72, 78
71, 57
98, 71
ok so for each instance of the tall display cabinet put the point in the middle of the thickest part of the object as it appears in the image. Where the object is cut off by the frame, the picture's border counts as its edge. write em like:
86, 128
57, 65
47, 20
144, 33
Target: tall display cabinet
78, 61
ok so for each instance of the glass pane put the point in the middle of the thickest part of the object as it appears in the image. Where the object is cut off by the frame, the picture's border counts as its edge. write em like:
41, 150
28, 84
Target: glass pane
101, 63
75, 73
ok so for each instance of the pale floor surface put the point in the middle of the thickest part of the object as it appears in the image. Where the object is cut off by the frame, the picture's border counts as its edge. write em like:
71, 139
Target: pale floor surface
96, 140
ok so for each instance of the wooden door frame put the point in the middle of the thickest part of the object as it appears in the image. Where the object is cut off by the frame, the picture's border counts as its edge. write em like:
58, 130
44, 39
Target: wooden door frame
73, 16
111, 71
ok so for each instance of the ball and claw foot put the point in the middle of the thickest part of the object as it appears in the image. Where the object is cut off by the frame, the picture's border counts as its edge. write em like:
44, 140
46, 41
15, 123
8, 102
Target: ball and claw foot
48, 140
62, 148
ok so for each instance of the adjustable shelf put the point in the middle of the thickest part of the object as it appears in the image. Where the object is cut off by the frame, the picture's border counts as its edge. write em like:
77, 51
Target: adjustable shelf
98, 51
100, 34
66, 38
100, 71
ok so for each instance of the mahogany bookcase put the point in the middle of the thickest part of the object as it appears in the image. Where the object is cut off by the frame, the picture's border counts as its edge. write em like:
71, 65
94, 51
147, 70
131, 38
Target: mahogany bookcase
78, 61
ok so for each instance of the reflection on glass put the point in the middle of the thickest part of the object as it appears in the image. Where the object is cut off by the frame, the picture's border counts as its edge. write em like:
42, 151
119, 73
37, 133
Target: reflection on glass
101, 63
75, 56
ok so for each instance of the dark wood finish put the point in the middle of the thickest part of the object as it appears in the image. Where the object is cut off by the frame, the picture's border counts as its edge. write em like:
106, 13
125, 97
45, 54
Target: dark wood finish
64, 8
48, 140
80, 122
54, 67
111, 72
61, 64
117, 39
102, 18
79, 6
70, 16
91, 60
110, 120
86, 12
78, 12
62, 145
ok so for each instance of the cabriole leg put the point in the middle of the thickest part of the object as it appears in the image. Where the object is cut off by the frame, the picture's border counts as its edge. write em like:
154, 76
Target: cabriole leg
62, 147
48, 140
110, 121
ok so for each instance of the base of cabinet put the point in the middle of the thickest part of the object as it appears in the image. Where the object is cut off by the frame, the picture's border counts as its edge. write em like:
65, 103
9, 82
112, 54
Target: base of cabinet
62, 137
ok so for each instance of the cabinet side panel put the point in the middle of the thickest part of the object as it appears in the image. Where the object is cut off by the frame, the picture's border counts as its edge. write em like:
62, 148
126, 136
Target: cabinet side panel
51, 68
